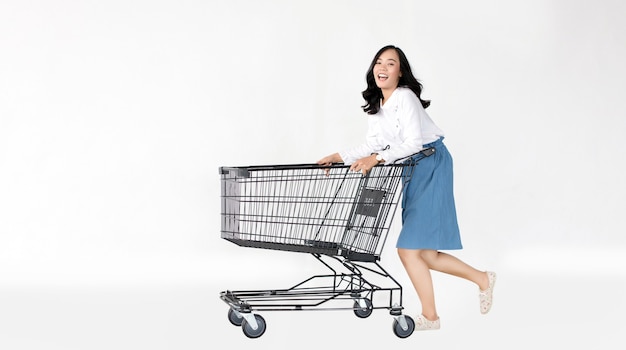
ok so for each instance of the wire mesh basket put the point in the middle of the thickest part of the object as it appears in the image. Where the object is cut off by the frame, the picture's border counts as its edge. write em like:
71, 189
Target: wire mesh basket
300, 208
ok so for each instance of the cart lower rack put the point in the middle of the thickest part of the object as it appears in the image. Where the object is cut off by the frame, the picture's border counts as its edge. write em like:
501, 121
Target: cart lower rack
341, 218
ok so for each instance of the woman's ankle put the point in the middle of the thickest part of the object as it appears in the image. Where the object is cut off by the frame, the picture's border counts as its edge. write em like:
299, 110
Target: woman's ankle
431, 316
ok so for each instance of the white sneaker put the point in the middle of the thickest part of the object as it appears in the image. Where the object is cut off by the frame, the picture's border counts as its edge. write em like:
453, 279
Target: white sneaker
424, 324
486, 296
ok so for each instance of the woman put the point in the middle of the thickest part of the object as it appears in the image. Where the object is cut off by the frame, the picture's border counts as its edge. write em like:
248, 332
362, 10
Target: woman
398, 126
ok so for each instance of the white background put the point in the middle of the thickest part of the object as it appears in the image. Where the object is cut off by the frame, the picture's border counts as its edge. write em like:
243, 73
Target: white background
116, 115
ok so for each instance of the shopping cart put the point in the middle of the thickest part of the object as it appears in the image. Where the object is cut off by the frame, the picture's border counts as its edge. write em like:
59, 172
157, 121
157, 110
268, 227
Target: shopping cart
342, 218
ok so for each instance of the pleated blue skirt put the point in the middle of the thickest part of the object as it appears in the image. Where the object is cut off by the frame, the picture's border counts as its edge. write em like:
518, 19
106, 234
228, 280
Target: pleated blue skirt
428, 211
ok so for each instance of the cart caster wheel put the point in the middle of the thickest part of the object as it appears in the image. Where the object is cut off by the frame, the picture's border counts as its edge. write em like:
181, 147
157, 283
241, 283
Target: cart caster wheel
251, 332
363, 312
234, 318
403, 333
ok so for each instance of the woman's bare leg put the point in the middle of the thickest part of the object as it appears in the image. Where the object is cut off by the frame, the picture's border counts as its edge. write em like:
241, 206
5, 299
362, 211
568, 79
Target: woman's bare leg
419, 262
451, 265
419, 274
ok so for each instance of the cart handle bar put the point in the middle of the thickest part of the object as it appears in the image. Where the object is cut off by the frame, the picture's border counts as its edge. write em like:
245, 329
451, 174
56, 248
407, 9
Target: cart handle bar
243, 170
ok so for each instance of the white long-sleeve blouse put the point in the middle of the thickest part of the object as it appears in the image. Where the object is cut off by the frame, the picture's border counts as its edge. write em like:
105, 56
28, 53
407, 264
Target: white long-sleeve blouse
399, 129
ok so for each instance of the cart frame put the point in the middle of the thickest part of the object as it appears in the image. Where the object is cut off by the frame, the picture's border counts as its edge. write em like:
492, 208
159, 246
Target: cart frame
344, 228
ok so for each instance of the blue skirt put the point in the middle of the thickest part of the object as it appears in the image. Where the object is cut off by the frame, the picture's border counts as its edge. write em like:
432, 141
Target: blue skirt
428, 210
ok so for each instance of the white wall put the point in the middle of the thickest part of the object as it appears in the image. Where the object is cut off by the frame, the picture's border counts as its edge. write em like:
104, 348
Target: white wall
115, 116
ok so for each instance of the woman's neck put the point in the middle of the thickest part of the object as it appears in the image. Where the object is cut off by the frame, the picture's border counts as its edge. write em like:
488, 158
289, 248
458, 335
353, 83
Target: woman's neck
387, 94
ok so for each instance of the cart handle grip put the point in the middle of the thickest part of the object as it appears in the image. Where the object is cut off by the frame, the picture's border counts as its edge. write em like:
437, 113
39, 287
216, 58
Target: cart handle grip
245, 170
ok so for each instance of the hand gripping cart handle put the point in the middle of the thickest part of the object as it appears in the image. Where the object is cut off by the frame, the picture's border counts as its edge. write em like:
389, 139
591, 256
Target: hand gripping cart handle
341, 218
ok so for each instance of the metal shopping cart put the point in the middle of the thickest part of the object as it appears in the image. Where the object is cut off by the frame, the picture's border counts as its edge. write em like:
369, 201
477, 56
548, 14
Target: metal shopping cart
341, 218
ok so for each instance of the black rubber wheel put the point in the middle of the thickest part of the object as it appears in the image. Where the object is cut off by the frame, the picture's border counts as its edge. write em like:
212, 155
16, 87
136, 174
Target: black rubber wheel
234, 318
403, 333
361, 312
254, 333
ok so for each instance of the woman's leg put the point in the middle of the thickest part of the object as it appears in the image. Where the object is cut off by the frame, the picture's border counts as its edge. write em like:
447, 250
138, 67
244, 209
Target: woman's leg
419, 274
451, 265
419, 262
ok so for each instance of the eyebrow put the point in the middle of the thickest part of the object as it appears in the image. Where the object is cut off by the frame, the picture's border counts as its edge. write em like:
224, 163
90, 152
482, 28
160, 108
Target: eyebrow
388, 59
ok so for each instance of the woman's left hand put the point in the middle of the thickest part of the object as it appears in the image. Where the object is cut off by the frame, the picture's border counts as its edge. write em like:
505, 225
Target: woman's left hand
364, 164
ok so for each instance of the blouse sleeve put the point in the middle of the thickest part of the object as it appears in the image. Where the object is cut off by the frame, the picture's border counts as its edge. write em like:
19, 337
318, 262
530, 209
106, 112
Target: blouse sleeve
370, 145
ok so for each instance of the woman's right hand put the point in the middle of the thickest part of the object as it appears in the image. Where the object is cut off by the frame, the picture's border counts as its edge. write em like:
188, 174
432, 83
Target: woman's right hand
329, 160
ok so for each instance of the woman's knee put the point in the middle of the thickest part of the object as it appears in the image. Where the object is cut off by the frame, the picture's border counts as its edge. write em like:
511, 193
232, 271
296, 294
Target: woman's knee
428, 255
403, 253
408, 254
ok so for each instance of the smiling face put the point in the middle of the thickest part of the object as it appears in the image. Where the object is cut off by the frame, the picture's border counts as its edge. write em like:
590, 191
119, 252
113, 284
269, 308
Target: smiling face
387, 70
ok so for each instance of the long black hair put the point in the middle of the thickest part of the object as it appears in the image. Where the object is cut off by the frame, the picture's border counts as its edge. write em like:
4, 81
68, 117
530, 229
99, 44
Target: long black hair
373, 94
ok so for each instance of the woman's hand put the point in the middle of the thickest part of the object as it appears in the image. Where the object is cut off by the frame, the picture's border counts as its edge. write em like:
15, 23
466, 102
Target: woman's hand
329, 160
364, 164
